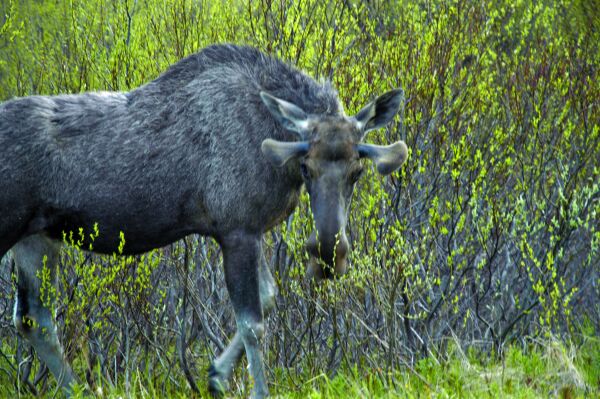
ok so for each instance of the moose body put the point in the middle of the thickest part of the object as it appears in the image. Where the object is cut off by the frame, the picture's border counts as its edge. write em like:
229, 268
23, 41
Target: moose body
219, 145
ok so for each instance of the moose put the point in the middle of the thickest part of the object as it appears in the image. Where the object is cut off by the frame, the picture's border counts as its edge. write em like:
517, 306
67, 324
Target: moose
219, 145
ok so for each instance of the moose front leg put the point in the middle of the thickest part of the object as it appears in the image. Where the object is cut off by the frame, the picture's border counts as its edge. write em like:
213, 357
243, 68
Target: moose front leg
32, 318
221, 369
241, 253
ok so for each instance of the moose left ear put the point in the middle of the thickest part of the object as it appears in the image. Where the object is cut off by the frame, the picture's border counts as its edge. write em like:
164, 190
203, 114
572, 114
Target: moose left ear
381, 111
387, 158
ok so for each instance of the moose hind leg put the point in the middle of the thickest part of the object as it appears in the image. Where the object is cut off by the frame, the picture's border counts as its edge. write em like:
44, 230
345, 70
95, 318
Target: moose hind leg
31, 317
221, 369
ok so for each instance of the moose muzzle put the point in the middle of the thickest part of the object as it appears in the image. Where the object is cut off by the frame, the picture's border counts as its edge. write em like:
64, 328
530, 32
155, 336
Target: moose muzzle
328, 252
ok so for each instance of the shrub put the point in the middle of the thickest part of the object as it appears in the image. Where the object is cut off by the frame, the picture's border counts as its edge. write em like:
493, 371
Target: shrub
489, 233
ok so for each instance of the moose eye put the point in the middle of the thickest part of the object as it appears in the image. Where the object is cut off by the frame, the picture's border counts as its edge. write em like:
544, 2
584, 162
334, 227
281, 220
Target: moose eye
304, 170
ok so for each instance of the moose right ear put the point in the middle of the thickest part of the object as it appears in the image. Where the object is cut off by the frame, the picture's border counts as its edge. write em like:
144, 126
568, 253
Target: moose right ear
289, 115
279, 152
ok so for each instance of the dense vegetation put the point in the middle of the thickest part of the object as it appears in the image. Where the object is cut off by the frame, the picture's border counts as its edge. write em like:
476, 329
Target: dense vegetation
482, 251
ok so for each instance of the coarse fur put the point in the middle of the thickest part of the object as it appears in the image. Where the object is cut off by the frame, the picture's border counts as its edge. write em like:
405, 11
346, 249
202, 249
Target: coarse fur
176, 156
218, 145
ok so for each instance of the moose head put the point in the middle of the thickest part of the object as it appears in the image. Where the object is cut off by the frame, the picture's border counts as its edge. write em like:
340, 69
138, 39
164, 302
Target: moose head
329, 151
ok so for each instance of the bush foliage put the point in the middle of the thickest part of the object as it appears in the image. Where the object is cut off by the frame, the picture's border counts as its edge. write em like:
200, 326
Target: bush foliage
489, 234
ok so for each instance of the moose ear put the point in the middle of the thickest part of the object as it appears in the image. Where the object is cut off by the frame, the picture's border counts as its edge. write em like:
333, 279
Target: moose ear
279, 152
381, 111
387, 158
289, 115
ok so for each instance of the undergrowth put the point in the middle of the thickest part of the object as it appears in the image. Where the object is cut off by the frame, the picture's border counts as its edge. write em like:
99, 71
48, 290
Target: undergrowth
547, 368
489, 233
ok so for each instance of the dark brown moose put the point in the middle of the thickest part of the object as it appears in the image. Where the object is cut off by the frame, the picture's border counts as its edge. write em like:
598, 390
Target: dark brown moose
219, 145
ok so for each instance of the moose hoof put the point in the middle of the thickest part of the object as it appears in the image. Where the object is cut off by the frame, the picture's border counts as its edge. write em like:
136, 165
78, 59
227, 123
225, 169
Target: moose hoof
217, 383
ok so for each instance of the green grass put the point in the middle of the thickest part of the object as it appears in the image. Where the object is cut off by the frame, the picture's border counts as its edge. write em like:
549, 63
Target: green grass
545, 369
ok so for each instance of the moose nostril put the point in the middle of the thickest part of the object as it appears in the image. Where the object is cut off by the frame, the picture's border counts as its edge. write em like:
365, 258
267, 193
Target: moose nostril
341, 248
328, 249
311, 246
328, 257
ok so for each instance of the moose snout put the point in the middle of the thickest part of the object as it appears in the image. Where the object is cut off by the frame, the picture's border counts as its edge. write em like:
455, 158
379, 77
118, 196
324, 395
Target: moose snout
328, 255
